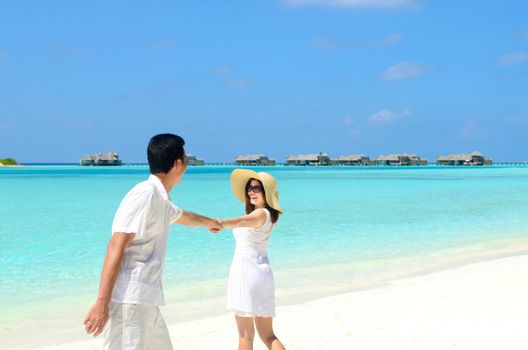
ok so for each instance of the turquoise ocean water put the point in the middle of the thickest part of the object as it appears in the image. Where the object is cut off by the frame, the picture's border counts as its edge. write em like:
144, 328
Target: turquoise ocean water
344, 228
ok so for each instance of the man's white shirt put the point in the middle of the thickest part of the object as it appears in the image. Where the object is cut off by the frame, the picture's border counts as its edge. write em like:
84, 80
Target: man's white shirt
148, 212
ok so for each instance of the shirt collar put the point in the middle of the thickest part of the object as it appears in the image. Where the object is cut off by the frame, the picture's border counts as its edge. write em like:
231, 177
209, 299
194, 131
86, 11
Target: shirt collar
153, 179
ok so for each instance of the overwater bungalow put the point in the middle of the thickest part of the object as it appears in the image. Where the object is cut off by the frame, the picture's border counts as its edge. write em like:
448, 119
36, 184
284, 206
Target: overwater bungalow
400, 160
475, 158
98, 159
353, 159
87, 160
309, 159
192, 160
254, 159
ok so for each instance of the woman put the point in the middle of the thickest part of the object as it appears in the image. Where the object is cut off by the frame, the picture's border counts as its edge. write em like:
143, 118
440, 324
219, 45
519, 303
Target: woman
251, 288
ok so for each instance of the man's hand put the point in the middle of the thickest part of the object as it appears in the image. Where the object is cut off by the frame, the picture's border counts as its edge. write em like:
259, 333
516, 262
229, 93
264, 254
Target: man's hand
215, 226
96, 318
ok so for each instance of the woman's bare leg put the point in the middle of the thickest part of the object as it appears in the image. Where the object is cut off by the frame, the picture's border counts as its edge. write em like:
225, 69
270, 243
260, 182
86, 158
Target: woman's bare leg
265, 330
246, 332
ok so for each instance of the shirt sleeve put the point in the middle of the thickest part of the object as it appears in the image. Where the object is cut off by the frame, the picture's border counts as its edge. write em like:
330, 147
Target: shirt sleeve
174, 212
132, 214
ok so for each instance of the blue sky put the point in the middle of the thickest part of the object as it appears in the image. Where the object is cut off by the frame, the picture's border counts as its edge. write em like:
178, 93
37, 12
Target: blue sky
279, 77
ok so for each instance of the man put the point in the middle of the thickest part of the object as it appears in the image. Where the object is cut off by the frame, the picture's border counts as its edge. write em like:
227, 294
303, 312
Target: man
130, 290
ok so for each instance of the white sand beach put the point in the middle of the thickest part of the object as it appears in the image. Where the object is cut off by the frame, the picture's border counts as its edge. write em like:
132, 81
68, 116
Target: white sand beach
480, 306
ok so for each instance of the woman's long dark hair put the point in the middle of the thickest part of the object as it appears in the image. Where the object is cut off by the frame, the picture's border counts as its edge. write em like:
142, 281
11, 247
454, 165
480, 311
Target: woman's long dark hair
250, 207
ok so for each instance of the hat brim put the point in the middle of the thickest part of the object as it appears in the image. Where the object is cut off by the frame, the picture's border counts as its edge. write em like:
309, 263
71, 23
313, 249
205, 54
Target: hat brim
239, 179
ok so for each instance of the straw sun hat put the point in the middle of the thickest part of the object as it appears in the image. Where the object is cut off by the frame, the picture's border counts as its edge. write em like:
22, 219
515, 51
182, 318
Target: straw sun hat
239, 179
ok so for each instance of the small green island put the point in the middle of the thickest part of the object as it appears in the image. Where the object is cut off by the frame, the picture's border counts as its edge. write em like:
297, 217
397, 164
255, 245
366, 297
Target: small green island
8, 161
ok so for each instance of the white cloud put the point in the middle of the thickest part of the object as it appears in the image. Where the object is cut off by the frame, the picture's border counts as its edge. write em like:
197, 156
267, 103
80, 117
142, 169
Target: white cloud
222, 70
382, 4
512, 58
405, 70
521, 118
392, 38
386, 116
239, 84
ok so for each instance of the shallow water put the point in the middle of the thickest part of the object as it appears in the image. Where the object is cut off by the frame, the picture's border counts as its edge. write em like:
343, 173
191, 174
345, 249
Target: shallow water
343, 226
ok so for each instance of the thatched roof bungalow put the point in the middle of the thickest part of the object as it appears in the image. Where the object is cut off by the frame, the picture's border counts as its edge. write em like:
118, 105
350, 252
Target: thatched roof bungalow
254, 159
193, 160
353, 159
475, 158
108, 159
400, 160
309, 159
87, 159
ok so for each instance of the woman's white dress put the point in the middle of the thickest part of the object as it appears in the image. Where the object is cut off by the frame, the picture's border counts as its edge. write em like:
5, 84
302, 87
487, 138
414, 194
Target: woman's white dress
251, 287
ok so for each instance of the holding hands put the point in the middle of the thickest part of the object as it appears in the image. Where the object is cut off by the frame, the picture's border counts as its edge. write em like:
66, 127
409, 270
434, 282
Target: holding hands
215, 226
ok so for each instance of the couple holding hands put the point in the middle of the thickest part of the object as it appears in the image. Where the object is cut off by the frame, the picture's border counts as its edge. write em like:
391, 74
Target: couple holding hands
130, 289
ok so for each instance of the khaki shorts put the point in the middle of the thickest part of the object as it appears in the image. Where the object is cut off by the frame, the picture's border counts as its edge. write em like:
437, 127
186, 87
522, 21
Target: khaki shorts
136, 327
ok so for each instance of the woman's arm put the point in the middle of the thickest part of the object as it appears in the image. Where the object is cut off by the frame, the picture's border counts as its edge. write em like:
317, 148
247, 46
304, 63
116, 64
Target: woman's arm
254, 219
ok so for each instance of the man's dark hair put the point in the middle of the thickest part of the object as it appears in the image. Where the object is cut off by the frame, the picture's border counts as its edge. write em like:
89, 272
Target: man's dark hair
163, 150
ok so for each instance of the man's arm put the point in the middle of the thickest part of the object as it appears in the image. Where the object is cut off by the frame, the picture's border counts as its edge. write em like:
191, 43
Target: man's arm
188, 218
97, 317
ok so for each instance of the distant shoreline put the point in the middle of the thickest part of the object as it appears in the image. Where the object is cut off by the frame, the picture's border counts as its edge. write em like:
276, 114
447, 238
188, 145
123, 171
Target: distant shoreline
8, 162
429, 165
